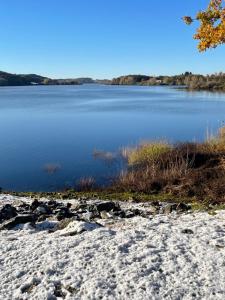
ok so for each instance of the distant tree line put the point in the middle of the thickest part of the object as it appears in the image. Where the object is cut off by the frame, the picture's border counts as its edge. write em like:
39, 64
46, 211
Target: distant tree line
8, 79
214, 82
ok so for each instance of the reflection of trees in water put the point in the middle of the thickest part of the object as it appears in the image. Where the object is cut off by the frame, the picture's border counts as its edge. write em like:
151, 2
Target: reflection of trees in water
108, 158
51, 168
115, 161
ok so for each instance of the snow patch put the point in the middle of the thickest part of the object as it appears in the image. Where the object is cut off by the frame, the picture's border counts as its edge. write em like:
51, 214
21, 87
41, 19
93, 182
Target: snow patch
76, 227
163, 257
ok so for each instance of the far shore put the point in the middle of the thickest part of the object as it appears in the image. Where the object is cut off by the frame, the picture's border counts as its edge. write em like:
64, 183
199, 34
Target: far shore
192, 82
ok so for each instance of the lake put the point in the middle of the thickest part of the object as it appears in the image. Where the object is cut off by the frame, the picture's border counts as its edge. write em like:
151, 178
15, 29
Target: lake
48, 133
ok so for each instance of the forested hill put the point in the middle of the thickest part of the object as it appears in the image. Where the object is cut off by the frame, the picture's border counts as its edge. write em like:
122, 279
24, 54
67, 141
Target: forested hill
214, 82
8, 79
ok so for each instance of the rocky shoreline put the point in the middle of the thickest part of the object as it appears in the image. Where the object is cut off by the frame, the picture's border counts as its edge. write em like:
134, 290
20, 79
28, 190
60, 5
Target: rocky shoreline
85, 249
33, 211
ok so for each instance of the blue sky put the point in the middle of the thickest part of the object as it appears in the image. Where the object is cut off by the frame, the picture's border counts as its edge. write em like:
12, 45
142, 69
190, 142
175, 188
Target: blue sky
102, 38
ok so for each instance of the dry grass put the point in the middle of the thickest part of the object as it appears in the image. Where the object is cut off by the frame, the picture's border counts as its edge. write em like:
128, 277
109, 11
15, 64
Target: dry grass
216, 143
145, 153
150, 167
85, 184
184, 169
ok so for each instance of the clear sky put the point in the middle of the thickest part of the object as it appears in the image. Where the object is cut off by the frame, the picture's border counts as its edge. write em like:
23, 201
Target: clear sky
102, 38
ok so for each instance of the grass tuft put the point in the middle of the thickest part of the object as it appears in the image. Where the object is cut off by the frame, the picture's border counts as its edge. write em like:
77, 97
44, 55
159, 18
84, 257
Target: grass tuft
146, 153
183, 170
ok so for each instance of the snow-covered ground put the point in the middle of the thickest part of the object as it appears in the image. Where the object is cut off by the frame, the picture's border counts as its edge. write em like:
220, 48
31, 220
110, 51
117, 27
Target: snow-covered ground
163, 257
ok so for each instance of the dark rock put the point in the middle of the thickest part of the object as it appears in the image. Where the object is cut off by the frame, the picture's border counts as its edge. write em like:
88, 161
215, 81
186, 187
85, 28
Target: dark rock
53, 204
68, 205
104, 206
155, 203
58, 291
141, 213
180, 207
64, 197
20, 219
24, 207
43, 209
187, 231
120, 214
81, 207
7, 212
128, 214
42, 218
63, 213
137, 212
34, 205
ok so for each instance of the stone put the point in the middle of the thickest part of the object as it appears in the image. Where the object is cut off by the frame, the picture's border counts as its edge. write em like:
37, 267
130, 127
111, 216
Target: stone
43, 217
63, 224
182, 207
81, 207
7, 212
120, 214
156, 203
105, 215
153, 209
69, 205
170, 207
34, 204
23, 207
88, 215
63, 213
129, 214
187, 231
20, 219
43, 210
53, 204
105, 206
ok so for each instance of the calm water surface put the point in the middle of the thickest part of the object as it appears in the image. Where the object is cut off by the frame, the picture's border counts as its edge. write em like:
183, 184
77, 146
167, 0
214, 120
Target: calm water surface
62, 125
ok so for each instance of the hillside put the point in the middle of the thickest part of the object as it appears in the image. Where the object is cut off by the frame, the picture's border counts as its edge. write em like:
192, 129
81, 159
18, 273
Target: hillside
214, 82
8, 79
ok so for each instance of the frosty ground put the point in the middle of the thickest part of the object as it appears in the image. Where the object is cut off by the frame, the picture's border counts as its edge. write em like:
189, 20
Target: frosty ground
175, 256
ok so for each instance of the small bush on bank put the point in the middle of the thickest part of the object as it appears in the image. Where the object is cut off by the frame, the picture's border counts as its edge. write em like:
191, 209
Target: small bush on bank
184, 169
151, 166
146, 153
216, 143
